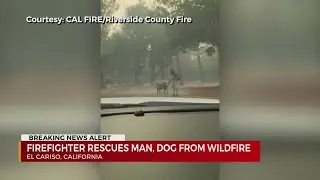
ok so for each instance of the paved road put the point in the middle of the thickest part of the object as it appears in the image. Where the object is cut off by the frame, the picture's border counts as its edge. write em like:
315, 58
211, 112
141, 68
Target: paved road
188, 91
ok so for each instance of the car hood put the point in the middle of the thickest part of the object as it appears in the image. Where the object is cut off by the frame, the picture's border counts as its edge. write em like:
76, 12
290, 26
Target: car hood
136, 100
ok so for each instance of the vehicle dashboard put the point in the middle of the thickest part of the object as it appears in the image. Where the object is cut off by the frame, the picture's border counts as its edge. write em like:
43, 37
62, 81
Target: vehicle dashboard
163, 123
202, 123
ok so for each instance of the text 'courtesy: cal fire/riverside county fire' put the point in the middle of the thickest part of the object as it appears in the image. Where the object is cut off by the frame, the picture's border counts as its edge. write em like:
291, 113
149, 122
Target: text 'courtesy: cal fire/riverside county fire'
107, 20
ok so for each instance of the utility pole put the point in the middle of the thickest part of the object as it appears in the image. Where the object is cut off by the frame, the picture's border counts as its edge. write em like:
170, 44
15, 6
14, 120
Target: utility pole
148, 65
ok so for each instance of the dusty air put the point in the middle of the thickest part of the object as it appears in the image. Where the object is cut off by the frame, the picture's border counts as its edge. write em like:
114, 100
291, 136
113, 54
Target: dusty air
183, 60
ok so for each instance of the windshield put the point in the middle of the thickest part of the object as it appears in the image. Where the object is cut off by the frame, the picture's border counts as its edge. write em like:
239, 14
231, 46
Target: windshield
159, 48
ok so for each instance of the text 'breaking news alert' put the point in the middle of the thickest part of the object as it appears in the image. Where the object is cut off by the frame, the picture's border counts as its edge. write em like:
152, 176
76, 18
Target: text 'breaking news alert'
108, 20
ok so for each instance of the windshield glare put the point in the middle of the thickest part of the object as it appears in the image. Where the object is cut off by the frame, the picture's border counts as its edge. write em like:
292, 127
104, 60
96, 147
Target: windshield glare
157, 48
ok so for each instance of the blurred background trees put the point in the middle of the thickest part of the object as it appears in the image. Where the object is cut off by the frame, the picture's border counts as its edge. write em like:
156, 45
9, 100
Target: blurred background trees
192, 49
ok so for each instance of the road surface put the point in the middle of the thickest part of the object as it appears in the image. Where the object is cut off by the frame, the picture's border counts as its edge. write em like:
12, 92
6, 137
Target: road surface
200, 91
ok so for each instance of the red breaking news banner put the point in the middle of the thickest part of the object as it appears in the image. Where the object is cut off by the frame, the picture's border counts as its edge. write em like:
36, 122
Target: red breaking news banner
139, 151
